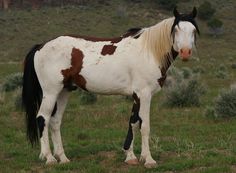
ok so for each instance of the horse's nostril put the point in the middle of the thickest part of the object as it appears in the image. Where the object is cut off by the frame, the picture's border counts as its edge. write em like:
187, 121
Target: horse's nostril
186, 51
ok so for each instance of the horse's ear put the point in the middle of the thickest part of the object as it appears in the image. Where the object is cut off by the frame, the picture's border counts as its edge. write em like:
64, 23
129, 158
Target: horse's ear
175, 12
194, 12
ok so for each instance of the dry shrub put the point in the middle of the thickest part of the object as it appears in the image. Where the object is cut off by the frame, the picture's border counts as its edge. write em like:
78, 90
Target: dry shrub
183, 89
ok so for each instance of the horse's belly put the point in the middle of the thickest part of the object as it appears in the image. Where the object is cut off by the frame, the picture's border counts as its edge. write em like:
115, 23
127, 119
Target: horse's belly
107, 80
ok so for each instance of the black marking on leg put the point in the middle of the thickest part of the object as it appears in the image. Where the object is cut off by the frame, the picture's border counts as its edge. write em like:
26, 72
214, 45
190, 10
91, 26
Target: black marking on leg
129, 138
133, 119
41, 124
54, 110
135, 110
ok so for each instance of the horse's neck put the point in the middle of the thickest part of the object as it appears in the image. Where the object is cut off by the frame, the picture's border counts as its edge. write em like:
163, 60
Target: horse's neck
157, 41
170, 57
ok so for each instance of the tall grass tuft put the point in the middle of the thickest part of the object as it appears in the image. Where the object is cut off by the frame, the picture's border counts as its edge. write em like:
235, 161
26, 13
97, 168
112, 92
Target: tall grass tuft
233, 66
221, 72
2, 97
12, 82
225, 105
187, 72
210, 112
18, 98
198, 69
87, 98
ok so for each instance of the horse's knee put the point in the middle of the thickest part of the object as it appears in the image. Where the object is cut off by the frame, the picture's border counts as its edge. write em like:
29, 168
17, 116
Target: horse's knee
145, 129
48, 105
55, 124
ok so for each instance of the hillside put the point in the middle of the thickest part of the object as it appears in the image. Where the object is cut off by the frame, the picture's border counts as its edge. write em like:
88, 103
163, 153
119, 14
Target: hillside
20, 29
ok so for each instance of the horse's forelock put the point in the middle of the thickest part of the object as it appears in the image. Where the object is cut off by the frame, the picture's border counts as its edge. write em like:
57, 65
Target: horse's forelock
186, 18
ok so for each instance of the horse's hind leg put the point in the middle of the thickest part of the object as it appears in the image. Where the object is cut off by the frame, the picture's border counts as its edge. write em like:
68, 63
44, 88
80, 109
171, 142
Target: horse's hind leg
55, 123
43, 117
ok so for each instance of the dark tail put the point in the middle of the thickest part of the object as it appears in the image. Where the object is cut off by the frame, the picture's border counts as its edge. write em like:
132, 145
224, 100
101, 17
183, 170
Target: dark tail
31, 95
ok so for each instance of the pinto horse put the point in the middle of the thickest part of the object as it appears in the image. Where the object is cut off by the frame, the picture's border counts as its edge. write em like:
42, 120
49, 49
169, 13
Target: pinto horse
133, 64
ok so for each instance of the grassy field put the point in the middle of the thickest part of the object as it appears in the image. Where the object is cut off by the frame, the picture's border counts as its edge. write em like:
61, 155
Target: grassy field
182, 139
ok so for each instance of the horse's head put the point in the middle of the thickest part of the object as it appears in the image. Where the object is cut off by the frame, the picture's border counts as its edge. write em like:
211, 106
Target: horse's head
184, 31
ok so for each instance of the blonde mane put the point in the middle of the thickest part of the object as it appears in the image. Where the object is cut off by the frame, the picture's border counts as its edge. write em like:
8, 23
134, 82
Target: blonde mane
158, 40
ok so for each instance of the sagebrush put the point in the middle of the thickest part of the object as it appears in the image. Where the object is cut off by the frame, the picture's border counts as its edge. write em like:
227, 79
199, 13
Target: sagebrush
12, 82
225, 105
180, 91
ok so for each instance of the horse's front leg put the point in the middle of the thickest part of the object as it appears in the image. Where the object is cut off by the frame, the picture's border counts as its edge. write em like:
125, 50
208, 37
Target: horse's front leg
134, 122
145, 102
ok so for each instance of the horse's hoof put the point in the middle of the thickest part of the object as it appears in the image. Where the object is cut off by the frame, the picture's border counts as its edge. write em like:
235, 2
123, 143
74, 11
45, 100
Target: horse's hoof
150, 165
61, 158
51, 160
41, 156
132, 162
65, 160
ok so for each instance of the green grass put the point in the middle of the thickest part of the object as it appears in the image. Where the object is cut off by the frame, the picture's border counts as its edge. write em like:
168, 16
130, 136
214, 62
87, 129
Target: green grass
182, 139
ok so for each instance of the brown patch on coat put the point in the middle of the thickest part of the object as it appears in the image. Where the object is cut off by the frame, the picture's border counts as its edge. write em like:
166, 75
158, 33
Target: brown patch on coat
108, 49
72, 74
162, 79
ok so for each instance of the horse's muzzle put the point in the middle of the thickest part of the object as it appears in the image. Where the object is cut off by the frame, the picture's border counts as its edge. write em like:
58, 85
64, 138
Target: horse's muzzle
185, 53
